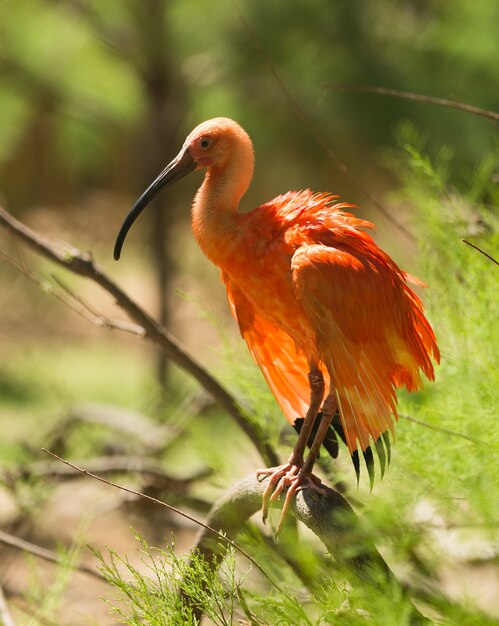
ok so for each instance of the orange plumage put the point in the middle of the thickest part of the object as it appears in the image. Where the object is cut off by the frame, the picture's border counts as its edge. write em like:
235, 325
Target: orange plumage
319, 304
307, 283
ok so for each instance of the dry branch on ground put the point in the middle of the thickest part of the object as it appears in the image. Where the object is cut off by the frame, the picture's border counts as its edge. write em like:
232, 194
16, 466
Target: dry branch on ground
83, 264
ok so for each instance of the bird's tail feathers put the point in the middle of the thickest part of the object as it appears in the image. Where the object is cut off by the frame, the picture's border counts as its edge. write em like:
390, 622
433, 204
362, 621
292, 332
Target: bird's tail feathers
367, 404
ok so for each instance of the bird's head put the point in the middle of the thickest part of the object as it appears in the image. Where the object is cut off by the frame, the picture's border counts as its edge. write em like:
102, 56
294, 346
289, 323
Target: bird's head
215, 144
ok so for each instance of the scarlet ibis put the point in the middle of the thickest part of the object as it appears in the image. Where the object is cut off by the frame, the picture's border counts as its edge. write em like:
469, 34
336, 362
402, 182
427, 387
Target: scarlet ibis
328, 316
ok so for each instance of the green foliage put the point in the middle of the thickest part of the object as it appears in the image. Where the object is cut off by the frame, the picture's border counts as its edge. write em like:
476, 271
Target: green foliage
76, 76
436, 506
171, 585
164, 588
61, 77
463, 304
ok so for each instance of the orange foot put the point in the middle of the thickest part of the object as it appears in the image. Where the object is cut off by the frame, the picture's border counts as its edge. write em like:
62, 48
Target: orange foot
283, 477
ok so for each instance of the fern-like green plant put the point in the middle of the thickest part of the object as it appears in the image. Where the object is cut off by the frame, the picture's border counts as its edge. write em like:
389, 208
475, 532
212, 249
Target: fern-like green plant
167, 588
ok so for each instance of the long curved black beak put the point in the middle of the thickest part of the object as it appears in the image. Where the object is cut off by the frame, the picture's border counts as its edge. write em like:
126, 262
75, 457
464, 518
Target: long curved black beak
181, 165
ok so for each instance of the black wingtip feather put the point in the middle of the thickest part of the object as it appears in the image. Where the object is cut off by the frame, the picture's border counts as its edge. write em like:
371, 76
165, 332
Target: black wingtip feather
380, 449
369, 460
356, 465
331, 444
388, 445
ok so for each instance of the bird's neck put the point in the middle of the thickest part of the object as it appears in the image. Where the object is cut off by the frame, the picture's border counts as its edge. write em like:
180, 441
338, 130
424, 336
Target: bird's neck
215, 210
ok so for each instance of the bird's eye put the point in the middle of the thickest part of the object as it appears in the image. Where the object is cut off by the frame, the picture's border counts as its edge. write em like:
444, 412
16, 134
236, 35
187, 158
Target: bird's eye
204, 142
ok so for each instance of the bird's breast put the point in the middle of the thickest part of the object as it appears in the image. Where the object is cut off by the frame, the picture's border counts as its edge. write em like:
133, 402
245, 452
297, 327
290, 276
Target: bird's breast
257, 258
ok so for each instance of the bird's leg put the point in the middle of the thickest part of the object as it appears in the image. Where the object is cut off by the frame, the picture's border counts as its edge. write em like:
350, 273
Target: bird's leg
292, 468
304, 477
316, 380
328, 412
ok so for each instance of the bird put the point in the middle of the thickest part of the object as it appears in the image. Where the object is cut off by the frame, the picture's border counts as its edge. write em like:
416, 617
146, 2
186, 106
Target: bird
330, 319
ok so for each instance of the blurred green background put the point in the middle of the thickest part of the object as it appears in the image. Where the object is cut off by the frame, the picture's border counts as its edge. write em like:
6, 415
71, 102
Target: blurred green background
97, 96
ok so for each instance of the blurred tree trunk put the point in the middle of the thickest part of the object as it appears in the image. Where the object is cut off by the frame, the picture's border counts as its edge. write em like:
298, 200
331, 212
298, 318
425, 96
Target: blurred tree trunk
165, 94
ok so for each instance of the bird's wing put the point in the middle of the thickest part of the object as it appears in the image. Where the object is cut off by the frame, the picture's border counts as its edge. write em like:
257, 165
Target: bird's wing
371, 332
284, 369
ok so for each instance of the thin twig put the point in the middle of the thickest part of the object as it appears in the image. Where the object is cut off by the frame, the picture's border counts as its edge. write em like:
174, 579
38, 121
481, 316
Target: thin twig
42, 553
74, 302
42, 282
83, 264
396, 93
134, 492
481, 251
5, 616
315, 135
97, 318
441, 429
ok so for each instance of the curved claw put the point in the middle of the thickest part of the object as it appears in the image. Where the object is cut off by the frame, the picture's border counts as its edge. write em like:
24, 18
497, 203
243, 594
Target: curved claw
286, 480
284, 477
292, 491
275, 473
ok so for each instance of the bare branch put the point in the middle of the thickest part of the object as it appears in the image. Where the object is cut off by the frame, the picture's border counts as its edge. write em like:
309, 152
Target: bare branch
220, 536
137, 428
491, 258
97, 318
83, 264
74, 302
42, 553
395, 93
329, 516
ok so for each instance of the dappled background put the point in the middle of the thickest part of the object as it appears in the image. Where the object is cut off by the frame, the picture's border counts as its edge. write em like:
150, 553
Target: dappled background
95, 98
